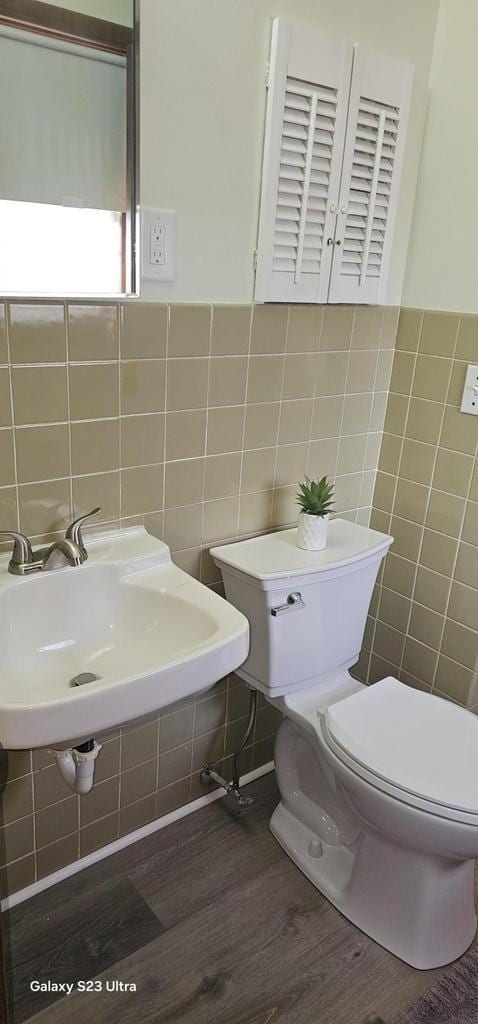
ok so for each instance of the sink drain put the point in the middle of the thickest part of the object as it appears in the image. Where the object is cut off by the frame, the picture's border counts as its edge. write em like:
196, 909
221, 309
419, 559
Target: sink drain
82, 678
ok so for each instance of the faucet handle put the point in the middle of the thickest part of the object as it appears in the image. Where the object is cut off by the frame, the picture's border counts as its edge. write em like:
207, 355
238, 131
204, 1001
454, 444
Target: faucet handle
22, 554
74, 531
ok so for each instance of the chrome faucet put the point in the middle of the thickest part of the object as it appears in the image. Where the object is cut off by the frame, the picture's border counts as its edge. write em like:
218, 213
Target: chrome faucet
70, 548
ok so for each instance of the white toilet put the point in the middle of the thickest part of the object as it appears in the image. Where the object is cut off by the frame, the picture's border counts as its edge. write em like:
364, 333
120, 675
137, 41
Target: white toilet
379, 784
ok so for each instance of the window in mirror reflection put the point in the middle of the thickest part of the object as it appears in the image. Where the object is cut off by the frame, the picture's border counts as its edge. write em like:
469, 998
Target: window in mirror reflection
65, 137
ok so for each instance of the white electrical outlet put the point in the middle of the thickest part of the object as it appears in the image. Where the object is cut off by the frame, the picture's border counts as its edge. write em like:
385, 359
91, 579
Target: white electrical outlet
158, 244
470, 391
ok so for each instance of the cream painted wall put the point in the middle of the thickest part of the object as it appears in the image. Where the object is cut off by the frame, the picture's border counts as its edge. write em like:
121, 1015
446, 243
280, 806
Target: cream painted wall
442, 265
202, 115
120, 11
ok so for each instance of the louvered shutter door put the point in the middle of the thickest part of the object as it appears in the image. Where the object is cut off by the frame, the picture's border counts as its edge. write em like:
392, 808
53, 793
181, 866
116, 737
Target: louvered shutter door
376, 127
304, 138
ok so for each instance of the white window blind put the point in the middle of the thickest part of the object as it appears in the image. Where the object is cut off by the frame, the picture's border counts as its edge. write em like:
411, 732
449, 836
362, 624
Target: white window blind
305, 128
378, 113
62, 123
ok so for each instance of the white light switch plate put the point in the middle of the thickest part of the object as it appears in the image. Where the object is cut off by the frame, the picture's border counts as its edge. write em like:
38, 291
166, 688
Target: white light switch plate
158, 244
470, 392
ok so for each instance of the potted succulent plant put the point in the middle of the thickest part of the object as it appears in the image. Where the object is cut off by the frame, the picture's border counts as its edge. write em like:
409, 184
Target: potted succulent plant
315, 499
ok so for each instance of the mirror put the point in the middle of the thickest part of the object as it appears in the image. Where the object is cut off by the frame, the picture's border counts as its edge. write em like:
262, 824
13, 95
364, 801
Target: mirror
67, 181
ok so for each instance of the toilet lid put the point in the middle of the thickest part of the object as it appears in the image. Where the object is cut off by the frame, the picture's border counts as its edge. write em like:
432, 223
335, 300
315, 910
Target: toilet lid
414, 741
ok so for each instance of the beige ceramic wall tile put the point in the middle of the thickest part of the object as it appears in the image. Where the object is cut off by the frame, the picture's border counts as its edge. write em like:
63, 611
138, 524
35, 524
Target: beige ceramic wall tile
445, 513
222, 476
144, 329
231, 328
402, 373
261, 425
183, 527
431, 589
417, 461
94, 446
43, 453
187, 384
431, 379
367, 328
453, 472
426, 625
295, 419
408, 332
99, 489
439, 333
39, 394
37, 333
225, 428
466, 569
189, 330
361, 372
185, 434
424, 420
45, 507
467, 341
142, 439
265, 378
269, 329
92, 333
141, 490
337, 327
396, 414
227, 381
255, 512
390, 453
331, 373
304, 328
184, 482
327, 415
143, 385
460, 432
299, 376
322, 457
258, 470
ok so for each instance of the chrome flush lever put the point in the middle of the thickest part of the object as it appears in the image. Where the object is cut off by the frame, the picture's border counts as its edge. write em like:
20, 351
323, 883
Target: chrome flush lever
293, 604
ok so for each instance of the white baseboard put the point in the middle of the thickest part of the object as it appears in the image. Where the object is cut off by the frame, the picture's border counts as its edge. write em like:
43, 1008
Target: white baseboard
124, 841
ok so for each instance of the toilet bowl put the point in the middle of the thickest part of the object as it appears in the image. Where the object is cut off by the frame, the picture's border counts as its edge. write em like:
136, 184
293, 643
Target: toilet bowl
379, 784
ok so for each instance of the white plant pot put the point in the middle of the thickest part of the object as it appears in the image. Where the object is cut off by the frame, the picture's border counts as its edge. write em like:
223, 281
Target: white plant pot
312, 532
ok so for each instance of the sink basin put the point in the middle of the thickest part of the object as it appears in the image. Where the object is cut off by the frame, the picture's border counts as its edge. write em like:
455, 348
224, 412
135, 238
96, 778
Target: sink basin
150, 633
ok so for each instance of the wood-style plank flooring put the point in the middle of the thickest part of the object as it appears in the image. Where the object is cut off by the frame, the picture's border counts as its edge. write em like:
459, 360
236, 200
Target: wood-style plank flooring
243, 937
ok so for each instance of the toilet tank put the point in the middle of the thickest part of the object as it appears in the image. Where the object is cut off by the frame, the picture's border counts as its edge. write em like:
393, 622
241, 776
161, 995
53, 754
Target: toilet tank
297, 641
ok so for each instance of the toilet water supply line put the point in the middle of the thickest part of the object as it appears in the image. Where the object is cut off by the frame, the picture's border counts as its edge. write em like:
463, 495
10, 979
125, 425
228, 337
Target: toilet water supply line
77, 765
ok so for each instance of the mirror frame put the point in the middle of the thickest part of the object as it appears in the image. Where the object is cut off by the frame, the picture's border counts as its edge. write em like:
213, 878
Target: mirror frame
83, 29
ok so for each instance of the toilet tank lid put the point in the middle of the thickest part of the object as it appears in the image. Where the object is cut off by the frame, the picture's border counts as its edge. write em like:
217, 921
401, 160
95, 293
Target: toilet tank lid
276, 555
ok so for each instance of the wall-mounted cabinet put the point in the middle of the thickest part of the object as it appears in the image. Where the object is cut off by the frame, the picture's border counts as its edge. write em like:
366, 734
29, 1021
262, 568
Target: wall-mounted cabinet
334, 139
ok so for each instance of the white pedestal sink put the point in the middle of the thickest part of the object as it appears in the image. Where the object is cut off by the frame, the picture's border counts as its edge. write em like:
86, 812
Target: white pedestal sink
151, 633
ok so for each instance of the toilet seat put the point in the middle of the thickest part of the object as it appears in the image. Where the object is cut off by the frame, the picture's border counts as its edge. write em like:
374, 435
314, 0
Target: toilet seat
419, 748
